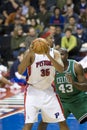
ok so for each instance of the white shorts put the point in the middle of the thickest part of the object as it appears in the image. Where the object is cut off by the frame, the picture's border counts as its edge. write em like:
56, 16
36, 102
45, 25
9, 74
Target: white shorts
47, 102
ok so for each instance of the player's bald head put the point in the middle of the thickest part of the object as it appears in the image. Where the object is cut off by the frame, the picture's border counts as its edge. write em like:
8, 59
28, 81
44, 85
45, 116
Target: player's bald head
64, 50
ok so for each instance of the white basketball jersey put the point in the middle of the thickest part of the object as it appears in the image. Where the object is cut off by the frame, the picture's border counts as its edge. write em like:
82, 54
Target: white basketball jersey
42, 72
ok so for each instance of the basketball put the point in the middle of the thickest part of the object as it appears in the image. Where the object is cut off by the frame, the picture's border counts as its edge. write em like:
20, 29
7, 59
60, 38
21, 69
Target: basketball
40, 46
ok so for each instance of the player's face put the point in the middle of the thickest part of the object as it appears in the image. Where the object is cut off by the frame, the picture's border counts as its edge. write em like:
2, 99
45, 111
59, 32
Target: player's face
64, 55
50, 40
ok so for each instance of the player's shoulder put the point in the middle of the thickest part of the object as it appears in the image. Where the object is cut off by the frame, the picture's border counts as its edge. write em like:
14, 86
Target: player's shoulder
73, 61
77, 64
78, 67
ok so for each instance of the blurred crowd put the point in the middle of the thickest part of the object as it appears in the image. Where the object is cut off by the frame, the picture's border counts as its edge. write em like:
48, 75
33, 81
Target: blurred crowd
21, 21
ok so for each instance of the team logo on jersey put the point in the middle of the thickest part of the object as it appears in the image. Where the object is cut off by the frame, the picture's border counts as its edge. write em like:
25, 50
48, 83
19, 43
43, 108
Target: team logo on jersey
57, 114
62, 79
43, 63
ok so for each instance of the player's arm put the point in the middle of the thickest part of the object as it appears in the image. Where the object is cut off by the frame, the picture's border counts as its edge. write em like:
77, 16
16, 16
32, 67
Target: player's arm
27, 61
56, 61
4, 80
82, 81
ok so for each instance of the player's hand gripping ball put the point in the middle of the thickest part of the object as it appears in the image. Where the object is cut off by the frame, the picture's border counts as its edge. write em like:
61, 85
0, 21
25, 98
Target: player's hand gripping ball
40, 46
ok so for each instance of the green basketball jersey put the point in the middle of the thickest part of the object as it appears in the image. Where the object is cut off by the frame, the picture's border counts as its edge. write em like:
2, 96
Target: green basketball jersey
64, 89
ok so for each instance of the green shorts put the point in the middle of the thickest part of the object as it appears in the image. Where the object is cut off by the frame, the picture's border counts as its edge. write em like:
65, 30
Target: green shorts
78, 108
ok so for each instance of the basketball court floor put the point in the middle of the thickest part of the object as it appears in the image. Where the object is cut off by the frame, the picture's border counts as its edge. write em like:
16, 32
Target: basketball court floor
12, 113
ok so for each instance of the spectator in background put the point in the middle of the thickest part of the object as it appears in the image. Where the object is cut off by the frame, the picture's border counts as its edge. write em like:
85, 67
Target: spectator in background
14, 69
81, 34
35, 4
82, 6
38, 28
57, 37
71, 24
61, 3
32, 14
69, 42
83, 19
42, 2
70, 12
51, 4
9, 6
28, 11
57, 18
11, 26
17, 41
25, 8
31, 36
68, 3
44, 15
17, 14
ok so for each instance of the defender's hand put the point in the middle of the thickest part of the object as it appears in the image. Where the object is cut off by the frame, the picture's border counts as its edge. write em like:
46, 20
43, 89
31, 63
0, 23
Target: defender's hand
69, 78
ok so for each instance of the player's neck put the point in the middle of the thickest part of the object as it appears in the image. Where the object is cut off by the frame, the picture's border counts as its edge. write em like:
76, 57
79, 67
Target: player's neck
66, 65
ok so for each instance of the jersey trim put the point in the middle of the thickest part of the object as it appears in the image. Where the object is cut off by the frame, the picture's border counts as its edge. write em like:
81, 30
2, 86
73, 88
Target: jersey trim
73, 68
68, 66
25, 94
83, 117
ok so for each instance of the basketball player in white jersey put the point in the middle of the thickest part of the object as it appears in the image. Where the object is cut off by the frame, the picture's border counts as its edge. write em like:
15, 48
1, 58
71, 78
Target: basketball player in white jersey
40, 94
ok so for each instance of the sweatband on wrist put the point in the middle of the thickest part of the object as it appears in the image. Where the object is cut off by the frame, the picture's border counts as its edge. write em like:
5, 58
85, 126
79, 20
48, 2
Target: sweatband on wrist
19, 76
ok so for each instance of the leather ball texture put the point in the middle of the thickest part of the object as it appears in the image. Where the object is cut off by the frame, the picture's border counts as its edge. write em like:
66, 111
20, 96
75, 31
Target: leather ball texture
40, 46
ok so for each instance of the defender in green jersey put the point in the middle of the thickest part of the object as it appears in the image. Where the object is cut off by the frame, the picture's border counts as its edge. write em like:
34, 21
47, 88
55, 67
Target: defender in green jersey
69, 86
